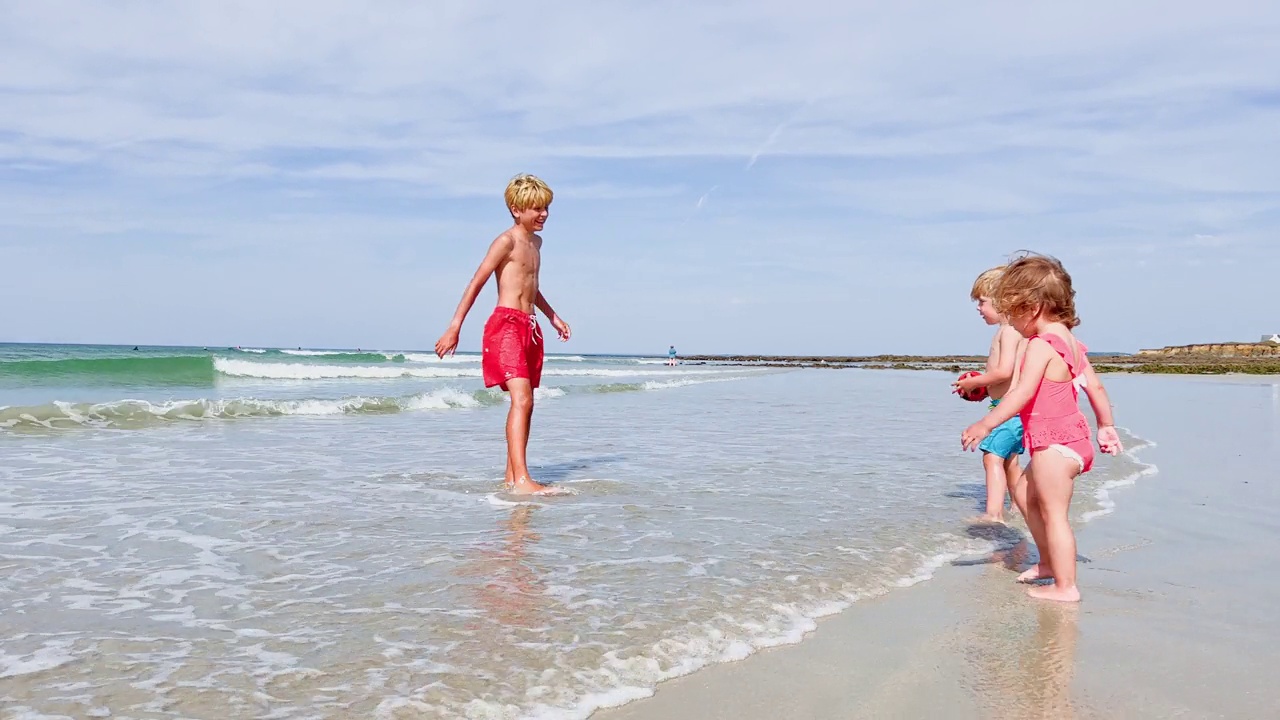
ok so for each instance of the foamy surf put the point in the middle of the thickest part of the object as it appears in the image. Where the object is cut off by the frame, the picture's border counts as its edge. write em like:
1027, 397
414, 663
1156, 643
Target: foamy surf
1102, 495
130, 413
311, 371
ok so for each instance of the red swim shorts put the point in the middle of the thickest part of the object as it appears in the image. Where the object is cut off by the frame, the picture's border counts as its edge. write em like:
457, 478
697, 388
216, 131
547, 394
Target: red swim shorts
512, 348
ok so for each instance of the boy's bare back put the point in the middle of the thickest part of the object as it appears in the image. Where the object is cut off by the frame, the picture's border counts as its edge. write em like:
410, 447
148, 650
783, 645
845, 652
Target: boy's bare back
1004, 351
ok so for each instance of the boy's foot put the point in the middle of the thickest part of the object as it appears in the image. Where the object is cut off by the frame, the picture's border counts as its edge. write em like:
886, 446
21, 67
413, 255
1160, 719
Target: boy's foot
1036, 572
525, 486
1053, 592
985, 519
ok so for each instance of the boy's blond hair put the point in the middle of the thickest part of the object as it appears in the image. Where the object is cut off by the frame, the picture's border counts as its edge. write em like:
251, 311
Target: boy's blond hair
1037, 283
985, 285
527, 191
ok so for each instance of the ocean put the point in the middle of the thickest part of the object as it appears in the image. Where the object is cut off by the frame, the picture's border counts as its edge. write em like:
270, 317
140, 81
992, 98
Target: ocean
268, 533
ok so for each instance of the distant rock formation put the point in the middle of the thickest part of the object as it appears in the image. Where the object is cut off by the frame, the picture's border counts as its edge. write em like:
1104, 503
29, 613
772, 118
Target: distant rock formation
1261, 349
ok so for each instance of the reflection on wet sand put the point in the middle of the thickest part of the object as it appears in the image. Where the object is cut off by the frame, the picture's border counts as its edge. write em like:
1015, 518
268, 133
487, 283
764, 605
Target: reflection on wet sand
510, 590
1024, 662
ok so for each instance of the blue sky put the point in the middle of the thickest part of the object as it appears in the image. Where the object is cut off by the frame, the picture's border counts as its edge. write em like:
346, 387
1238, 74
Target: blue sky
803, 177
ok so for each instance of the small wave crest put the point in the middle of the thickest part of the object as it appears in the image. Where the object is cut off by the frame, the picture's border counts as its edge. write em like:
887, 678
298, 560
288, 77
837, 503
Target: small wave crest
146, 370
233, 367
348, 355
142, 413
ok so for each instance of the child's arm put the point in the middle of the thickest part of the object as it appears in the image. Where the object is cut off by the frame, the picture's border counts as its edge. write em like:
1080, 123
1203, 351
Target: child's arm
561, 326
1108, 438
498, 251
1038, 355
1000, 363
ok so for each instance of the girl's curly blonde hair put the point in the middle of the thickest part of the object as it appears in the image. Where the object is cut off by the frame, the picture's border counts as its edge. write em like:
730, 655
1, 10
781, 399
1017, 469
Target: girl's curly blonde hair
1036, 284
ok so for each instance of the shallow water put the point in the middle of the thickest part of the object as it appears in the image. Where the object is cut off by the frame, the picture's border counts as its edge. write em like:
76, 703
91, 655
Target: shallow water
364, 563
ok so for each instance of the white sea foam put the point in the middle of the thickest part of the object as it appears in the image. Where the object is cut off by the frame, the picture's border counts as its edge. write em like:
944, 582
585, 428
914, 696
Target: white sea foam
667, 384
1106, 505
308, 371
130, 413
54, 653
434, 360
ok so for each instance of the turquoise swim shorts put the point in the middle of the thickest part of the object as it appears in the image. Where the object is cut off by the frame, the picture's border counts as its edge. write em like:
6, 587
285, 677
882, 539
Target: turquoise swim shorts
1006, 440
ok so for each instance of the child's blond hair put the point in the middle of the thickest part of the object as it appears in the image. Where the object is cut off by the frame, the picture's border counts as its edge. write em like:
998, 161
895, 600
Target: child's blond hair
527, 191
985, 285
1036, 283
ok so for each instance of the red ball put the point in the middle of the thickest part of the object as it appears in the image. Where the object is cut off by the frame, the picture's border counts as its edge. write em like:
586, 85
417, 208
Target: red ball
975, 395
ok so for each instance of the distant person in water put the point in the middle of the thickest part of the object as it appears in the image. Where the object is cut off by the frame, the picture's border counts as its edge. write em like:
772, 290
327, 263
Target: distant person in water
671, 356
513, 343
1035, 295
1002, 447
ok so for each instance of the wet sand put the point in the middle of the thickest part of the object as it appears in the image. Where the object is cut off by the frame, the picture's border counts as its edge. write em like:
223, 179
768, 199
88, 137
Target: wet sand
1178, 618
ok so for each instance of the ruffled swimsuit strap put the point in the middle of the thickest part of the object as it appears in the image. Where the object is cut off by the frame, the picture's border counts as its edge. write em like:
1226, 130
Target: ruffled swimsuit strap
1074, 366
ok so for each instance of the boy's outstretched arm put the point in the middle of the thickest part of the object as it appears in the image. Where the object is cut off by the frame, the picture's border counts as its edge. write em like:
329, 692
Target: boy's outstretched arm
1108, 438
562, 327
1038, 354
498, 251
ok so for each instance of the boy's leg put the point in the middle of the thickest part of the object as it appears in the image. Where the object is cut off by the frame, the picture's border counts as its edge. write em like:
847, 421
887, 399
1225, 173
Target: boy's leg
1055, 480
519, 418
993, 465
1017, 484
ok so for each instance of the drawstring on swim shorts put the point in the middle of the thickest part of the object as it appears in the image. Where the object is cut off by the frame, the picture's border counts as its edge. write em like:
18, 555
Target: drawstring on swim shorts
533, 327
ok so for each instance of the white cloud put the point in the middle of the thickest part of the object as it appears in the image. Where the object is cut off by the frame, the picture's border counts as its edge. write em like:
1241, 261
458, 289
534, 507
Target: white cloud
932, 137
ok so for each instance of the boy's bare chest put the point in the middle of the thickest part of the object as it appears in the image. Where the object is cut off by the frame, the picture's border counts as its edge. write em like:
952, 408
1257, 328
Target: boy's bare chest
527, 258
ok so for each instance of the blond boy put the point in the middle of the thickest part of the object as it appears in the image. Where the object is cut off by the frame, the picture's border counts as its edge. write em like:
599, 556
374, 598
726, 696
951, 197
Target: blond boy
513, 344
1000, 450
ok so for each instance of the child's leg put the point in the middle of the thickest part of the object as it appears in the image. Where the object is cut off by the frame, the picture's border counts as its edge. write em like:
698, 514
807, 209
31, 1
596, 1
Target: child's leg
1054, 482
1017, 484
519, 418
1033, 514
993, 465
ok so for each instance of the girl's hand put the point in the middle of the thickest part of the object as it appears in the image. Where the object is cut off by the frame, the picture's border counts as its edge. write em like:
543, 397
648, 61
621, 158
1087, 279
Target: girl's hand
973, 435
1109, 440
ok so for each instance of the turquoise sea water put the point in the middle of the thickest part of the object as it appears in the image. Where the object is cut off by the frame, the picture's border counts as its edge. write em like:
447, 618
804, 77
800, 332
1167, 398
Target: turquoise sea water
321, 533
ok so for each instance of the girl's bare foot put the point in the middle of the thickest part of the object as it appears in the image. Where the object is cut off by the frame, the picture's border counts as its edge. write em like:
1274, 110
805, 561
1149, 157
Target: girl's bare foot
1036, 572
985, 519
1053, 592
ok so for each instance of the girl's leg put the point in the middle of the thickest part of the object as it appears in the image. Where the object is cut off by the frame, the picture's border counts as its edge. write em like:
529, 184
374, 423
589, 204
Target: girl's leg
1055, 477
1035, 523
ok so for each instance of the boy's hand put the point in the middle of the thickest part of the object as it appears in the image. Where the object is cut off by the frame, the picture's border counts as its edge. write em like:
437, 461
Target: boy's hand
562, 328
1109, 441
973, 435
447, 343
966, 384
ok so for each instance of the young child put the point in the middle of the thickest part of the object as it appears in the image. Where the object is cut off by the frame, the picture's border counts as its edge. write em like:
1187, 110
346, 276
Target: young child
1000, 450
513, 343
1036, 297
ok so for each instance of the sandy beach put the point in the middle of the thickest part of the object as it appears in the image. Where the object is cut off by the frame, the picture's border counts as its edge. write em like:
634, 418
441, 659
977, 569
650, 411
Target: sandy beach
1178, 617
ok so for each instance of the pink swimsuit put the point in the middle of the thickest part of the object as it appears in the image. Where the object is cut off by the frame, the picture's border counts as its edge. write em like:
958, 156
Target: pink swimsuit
1052, 418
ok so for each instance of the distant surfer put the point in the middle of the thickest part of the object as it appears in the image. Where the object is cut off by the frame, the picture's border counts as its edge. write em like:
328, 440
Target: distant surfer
671, 356
513, 344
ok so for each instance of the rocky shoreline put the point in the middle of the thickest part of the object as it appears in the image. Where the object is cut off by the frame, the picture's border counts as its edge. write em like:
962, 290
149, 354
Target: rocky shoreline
1149, 362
